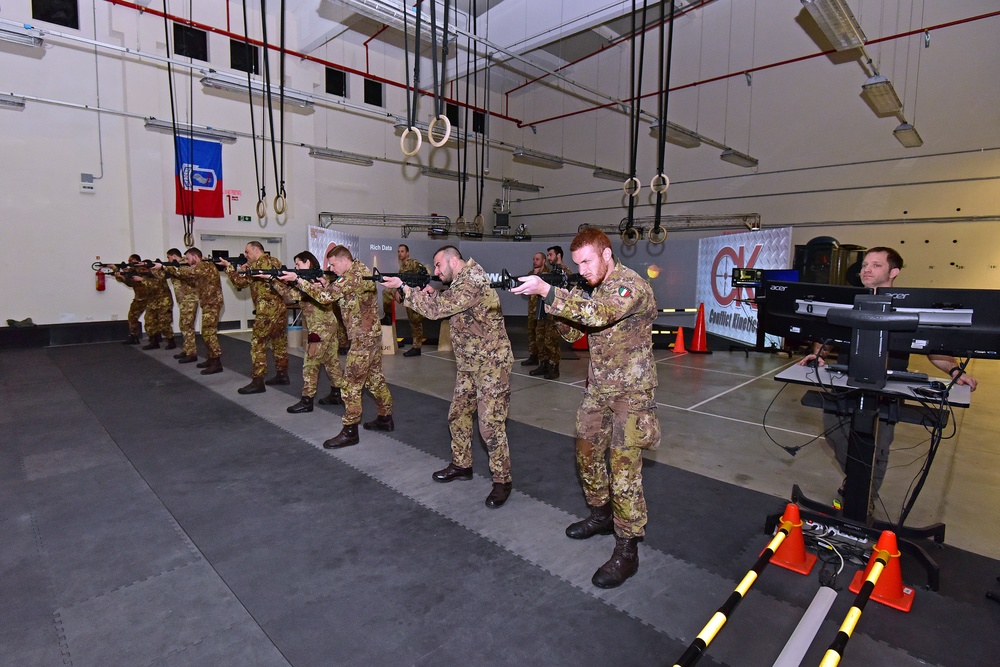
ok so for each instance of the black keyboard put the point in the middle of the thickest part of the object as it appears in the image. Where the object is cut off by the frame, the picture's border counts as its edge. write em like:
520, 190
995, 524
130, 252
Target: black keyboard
895, 376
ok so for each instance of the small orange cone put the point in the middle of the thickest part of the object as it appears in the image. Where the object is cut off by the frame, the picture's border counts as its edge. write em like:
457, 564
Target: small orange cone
699, 342
679, 343
889, 589
792, 554
581, 343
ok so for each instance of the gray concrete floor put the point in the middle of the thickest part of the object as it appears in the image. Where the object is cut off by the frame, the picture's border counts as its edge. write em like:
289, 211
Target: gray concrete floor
722, 415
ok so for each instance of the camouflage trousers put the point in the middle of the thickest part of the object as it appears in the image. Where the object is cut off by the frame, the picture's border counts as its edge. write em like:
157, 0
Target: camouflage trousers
488, 392
546, 340
189, 308
135, 311
269, 328
416, 327
364, 371
532, 334
160, 316
323, 353
210, 328
625, 424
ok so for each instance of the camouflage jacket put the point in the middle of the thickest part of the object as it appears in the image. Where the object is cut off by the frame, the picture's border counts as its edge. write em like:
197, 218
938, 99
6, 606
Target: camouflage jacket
358, 301
319, 318
203, 276
411, 266
618, 320
477, 328
260, 290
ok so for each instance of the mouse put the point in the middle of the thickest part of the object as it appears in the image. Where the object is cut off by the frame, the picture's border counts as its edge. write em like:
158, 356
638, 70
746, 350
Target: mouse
935, 385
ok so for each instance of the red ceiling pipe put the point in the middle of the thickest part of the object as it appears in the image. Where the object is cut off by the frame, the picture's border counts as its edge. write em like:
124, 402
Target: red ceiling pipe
301, 56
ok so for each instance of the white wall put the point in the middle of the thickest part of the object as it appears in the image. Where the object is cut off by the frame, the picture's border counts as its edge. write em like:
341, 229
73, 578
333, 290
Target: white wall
825, 159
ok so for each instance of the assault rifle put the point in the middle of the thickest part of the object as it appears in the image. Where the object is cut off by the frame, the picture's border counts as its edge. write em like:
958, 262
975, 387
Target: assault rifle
418, 280
237, 262
557, 278
129, 270
308, 274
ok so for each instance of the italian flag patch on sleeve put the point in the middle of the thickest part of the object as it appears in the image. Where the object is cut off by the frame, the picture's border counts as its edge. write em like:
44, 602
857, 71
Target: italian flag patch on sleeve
624, 292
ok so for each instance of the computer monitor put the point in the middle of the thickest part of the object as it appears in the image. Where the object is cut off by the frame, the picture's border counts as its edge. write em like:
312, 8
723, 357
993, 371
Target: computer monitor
956, 322
798, 310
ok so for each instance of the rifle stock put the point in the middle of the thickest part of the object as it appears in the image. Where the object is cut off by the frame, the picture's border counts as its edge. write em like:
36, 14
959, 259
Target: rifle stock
418, 280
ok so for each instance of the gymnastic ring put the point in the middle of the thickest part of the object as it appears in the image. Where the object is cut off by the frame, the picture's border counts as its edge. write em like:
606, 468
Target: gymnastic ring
279, 204
657, 235
447, 131
632, 183
261, 209
189, 240
402, 141
460, 220
660, 183
479, 221
630, 236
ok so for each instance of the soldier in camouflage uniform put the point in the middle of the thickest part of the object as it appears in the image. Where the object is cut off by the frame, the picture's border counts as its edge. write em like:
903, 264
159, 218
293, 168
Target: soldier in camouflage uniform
619, 407
484, 359
409, 265
321, 342
187, 302
538, 265
270, 324
547, 334
359, 303
140, 298
159, 311
203, 278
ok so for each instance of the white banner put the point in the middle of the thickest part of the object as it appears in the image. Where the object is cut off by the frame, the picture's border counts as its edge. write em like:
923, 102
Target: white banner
728, 311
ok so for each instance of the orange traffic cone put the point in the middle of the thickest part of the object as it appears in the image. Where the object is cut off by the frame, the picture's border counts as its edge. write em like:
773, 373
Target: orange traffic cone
581, 343
679, 343
699, 342
792, 554
889, 589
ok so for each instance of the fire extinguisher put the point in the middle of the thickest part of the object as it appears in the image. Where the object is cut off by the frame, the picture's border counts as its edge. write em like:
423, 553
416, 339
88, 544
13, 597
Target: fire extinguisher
100, 281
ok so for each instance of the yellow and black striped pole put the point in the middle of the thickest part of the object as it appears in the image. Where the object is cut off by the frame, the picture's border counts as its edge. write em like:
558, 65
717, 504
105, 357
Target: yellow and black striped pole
714, 625
836, 650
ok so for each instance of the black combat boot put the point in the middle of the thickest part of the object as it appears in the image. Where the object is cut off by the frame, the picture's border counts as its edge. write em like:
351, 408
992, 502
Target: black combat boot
180, 354
530, 361
213, 366
553, 372
542, 369
451, 473
131, 340
171, 344
204, 364
186, 358
623, 564
600, 522
333, 398
153, 344
412, 352
499, 495
305, 404
380, 423
280, 377
347, 436
256, 386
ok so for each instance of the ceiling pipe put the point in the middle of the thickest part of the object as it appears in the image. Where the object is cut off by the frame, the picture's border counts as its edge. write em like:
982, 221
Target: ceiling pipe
760, 68
296, 54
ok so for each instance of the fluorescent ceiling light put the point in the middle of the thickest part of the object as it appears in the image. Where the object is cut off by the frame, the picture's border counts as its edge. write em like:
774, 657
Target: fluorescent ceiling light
194, 131
11, 102
738, 158
15, 35
537, 159
881, 95
837, 22
235, 84
517, 185
678, 135
341, 156
385, 12
907, 135
443, 173
611, 175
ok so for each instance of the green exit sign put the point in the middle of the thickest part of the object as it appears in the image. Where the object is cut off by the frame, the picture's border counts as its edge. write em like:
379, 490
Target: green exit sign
243, 218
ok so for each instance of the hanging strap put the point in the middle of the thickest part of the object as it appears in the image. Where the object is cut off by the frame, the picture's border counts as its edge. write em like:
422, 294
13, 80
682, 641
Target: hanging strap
660, 182
439, 81
267, 97
186, 196
280, 199
632, 185
257, 164
412, 93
